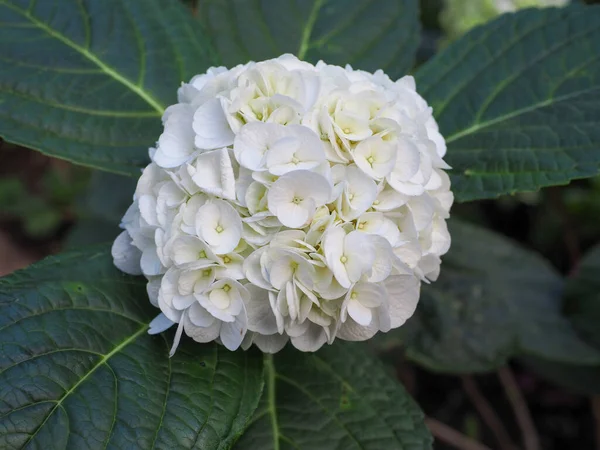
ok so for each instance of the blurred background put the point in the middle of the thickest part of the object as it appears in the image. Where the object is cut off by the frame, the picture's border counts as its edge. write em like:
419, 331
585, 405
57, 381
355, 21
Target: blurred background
48, 205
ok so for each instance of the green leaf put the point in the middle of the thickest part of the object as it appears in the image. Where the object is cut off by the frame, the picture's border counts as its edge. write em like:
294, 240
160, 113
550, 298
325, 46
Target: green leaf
518, 101
580, 379
100, 209
338, 398
87, 81
368, 34
582, 297
79, 370
493, 300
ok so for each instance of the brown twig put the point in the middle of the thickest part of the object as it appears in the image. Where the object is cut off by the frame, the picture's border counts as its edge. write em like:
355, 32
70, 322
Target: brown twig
452, 437
531, 440
595, 400
487, 413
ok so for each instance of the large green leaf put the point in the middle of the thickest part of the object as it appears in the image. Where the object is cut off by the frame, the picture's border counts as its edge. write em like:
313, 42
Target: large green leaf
580, 379
493, 300
369, 34
78, 369
100, 209
518, 101
582, 297
339, 398
88, 80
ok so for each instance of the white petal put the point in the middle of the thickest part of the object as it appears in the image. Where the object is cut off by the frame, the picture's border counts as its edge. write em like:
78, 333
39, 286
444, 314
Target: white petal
152, 289
147, 204
301, 184
201, 334
182, 302
219, 224
199, 316
260, 315
189, 211
422, 210
176, 143
352, 331
312, 340
272, 343
359, 195
253, 141
211, 126
281, 272
333, 245
389, 199
375, 157
301, 150
253, 269
125, 255
177, 336
232, 267
382, 264
360, 313
295, 215
232, 333
407, 164
189, 249
403, 296
213, 174
159, 324
360, 254
150, 262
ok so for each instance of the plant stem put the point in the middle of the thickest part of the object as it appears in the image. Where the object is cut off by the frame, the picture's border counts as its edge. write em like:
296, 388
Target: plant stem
531, 440
452, 437
487, 413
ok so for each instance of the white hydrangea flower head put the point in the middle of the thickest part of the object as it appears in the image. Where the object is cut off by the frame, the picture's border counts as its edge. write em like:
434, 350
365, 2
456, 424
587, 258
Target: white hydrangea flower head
287, 201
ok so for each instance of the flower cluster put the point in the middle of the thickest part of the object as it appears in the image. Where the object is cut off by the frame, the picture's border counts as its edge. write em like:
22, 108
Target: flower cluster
289, 201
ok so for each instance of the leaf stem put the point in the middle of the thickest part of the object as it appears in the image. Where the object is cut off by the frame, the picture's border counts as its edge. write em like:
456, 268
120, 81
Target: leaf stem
450, 436
310, 24
270, 380
487, 413
531, 438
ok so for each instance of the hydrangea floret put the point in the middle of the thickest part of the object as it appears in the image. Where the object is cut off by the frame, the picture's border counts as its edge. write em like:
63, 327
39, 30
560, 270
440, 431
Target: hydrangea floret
287, 201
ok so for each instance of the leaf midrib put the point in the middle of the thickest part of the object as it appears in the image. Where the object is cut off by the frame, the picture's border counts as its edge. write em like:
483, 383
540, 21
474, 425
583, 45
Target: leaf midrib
308, 29
272, 407
100, 363
155, 104
488, 123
